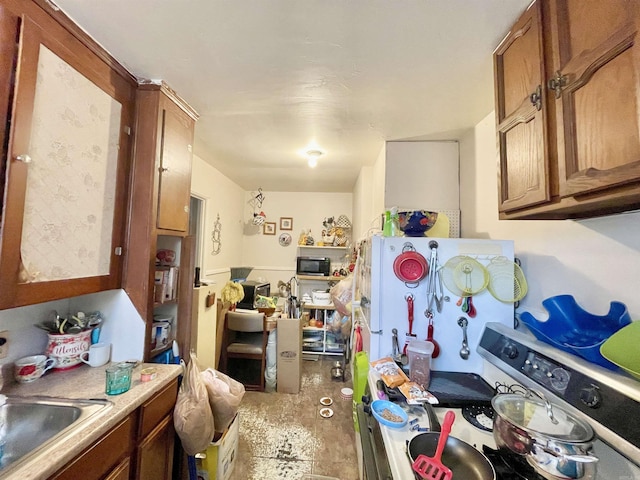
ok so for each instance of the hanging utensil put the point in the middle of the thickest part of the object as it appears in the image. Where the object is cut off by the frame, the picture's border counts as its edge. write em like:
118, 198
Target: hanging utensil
397, 356
410, 335
506, 280
432, 468
435, 288
436, 346
447, 276
464, 351
432, 294
470, 276
410, 266
472, 309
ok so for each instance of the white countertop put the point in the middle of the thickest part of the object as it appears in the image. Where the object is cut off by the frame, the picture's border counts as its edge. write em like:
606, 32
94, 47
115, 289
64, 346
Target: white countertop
83, 382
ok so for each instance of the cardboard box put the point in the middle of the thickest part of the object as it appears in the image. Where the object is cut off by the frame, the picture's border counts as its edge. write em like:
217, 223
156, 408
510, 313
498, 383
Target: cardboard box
217, 462
289, 354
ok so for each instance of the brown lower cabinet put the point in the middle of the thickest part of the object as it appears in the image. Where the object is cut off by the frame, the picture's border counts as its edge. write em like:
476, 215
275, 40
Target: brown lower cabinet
139, 447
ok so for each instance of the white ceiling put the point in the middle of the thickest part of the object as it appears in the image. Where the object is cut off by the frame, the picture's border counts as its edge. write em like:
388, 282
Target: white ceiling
273, 78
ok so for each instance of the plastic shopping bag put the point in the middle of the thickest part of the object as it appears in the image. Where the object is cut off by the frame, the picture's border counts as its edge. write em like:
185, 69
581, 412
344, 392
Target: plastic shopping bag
225, 395
341, 295
192, 416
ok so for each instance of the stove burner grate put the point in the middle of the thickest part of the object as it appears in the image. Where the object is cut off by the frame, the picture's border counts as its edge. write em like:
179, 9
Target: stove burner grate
510, 466
480, 416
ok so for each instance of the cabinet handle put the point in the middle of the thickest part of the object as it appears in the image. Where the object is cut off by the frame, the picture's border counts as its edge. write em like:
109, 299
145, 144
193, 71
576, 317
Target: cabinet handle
23, 158
536, 98
557, 83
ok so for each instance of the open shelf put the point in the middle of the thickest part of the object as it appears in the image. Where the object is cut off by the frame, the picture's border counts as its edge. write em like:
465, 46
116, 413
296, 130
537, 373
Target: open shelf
322, 246
320, 278
311, 306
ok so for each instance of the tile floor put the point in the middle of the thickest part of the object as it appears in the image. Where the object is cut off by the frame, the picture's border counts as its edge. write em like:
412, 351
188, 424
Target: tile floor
282, 436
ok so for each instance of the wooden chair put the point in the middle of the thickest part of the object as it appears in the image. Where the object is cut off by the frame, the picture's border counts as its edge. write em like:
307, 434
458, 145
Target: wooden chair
244, 346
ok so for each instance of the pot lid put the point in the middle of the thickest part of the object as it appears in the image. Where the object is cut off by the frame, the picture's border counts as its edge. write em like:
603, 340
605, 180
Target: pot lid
530, 414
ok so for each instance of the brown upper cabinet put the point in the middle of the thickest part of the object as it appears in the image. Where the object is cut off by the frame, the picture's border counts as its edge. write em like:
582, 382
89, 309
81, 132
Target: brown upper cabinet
159, 207
567, 80
68, 108
169, 121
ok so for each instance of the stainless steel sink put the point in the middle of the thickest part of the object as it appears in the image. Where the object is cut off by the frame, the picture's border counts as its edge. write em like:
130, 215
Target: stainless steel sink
31, 424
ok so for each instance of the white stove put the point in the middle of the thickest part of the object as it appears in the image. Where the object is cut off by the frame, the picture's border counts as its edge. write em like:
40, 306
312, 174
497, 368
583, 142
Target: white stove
514, 357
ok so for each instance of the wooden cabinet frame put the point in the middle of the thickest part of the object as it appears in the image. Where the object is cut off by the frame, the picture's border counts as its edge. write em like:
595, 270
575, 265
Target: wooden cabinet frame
153, 100
37, 27
589, 101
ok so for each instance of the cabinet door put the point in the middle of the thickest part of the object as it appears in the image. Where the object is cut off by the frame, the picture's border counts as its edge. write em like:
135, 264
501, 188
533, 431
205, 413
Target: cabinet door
65, 175
9, 27
596, 79
174, 190
155, 452
106, 457
520, 115
120, 472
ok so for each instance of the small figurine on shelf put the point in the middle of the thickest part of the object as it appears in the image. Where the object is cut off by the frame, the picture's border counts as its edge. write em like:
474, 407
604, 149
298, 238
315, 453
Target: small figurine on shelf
305, 238
309, 240
327, 239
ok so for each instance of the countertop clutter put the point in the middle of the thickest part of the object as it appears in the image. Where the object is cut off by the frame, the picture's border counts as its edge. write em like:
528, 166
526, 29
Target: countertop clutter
85, 383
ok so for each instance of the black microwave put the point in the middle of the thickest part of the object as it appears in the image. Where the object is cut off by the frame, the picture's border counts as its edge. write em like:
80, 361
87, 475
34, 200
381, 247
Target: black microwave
319, 266
251, 291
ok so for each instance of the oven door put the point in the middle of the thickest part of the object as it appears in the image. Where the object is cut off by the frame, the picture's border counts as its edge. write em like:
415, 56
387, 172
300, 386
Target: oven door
374, 455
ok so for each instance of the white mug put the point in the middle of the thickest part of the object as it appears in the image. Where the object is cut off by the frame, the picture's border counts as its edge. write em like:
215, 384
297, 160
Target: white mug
31, 368
97, 355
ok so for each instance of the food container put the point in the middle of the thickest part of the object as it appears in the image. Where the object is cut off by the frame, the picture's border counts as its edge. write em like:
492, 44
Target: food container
118, 378
415, 223
66, 348
389, 414
321, 297
161, 331
419, 353
555, 443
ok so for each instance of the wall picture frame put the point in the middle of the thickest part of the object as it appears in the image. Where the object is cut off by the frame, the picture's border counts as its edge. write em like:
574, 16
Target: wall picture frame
269, 228
286, 223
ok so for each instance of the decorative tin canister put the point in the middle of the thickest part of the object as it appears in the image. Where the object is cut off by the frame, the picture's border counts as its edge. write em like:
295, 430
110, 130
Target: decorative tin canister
66, 348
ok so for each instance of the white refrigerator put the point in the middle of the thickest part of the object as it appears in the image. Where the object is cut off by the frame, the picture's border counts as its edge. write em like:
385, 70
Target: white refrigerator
385, 297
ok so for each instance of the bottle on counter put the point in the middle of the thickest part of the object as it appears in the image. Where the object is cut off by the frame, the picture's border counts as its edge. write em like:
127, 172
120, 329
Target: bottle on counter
395, 225
391, 227
386, 228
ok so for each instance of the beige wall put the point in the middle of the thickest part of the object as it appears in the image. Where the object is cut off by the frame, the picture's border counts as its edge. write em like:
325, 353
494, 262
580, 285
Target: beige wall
422, 175
368, 197
271, 261
595, 260
244, 244
221, 196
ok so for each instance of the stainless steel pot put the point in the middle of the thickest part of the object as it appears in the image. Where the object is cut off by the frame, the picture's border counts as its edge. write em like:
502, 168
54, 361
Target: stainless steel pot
556, 443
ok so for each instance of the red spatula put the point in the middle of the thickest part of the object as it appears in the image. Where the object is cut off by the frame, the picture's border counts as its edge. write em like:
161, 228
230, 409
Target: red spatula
432, 468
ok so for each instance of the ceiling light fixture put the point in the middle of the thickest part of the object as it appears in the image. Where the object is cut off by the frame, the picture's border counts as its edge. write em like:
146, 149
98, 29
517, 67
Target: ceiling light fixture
312, 157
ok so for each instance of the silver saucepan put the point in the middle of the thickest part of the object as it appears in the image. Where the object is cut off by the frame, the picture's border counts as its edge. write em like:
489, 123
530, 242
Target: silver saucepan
556, 443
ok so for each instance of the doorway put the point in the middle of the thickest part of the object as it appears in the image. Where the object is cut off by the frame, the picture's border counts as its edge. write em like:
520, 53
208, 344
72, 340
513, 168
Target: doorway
197, 207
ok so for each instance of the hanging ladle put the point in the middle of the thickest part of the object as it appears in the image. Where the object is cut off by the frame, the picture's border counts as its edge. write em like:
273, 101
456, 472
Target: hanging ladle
436, 346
